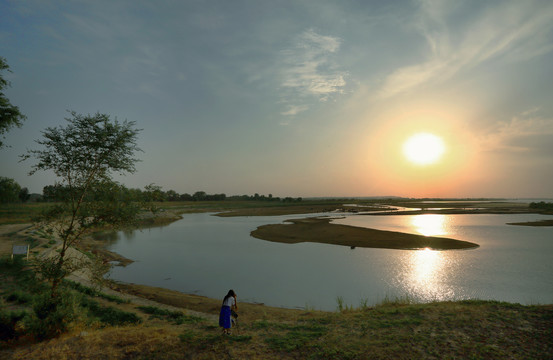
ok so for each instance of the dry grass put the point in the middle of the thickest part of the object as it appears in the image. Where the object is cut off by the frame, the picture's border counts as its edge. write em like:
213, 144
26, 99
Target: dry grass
110, 343
19, 213
466, 329
9, 237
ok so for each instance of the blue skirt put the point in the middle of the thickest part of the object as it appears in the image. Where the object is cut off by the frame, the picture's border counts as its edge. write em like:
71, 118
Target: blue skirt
224, 317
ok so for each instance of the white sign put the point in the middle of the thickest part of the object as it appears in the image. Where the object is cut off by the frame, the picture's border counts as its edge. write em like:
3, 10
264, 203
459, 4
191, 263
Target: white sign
20, 250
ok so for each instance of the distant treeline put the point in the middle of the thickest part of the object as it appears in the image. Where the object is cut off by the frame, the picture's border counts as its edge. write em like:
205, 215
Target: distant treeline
542, 205
12, 192
55, 193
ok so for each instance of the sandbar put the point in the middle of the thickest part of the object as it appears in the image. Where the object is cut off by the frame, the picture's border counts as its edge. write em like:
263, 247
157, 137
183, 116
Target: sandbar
321, 230
534, 223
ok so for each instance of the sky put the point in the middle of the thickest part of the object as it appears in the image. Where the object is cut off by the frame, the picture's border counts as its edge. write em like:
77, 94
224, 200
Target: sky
294, 98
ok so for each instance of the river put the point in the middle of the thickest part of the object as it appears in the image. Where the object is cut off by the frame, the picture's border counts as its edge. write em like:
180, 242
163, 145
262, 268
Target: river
207, 255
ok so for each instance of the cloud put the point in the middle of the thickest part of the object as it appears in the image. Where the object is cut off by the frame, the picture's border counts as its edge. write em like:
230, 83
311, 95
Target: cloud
294, 110
516, 31
527, 133
309, 71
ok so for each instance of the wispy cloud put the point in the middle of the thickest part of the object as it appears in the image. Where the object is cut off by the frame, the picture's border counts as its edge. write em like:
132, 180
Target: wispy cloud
515, 30
294, 110
526, 133
310, 72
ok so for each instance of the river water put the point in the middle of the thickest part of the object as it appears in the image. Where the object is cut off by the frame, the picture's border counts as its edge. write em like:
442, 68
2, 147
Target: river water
207, 255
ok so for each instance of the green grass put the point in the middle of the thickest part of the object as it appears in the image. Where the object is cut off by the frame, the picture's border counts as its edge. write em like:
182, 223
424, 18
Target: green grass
20, 286
176, 317
17, 277
93, 292
109, 315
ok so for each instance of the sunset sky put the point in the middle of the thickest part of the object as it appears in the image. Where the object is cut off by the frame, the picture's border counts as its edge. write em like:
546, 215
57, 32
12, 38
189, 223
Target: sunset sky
295, 98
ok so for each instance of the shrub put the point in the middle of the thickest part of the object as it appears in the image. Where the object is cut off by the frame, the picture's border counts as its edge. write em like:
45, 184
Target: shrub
51, 316
8, 322
19, 297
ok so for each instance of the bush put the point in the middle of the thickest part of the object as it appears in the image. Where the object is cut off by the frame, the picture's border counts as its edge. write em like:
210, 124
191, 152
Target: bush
541, 205
51, 316
19, 297
8, 322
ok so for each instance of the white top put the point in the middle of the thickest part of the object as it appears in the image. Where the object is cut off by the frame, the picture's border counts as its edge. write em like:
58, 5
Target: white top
229, 301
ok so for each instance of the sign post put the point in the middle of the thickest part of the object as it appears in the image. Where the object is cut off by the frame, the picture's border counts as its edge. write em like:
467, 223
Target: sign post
20, 250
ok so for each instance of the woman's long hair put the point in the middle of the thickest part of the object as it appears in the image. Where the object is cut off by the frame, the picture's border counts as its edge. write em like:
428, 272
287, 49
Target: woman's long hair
229, 294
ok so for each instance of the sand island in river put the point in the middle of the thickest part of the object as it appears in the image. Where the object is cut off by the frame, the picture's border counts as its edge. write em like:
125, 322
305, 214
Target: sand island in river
320, 230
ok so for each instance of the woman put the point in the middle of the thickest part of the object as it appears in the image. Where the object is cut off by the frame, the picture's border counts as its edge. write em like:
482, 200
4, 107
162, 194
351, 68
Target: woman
229, 302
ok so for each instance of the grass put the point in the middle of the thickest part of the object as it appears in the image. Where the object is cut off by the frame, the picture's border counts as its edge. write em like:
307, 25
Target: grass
20, 289
109, 315
177, 317
92, 292
20, 213
17, 279
396, 328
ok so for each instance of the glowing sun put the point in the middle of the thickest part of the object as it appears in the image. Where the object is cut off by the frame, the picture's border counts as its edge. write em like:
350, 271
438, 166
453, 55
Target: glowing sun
423, 148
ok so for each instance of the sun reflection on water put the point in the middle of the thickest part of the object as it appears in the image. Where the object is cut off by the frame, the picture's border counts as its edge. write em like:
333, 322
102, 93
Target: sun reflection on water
430, 224
428, 269
427, 273
425, 264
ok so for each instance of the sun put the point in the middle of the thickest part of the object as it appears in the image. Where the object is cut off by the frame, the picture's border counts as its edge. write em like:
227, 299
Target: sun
423, 148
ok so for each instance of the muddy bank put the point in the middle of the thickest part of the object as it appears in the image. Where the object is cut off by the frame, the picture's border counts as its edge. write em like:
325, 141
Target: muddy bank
248, 311
320, 230
534, 223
